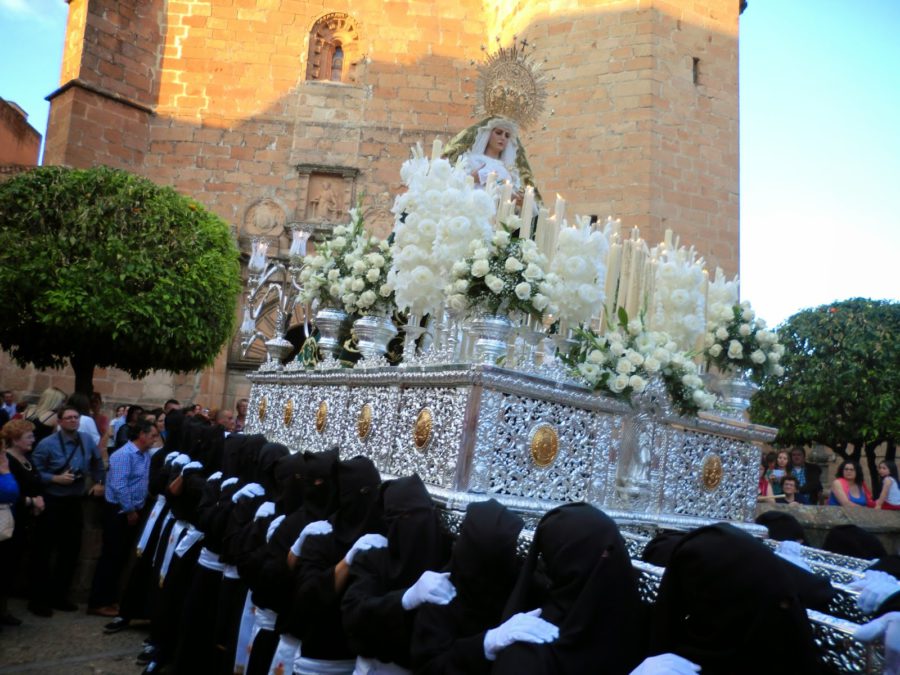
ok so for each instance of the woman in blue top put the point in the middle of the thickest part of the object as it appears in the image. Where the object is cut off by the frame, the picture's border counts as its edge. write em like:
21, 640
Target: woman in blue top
848, 487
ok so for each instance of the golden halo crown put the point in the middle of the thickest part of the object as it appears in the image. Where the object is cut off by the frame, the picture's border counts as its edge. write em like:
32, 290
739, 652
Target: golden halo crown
511, 85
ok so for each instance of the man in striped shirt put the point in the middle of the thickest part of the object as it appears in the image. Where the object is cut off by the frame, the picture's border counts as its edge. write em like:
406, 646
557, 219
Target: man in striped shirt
126, 492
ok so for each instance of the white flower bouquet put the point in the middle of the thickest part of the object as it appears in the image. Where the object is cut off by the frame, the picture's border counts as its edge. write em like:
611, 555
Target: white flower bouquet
364, 289
436, 219
578, 273
622, 361
320, 277
503, 275
740, 342
677, 304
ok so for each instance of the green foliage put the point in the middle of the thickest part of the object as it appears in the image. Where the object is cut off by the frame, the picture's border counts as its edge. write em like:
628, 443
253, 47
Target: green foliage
100, 267
841, 381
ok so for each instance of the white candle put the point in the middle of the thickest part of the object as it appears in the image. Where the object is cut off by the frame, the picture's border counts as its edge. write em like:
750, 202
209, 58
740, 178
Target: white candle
527, 212
559, 211
613, 265
436, 148
552, 235
668, 238
540, 231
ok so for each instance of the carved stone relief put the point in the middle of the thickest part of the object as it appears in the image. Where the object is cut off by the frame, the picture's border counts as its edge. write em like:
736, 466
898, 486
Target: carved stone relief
265, 218
325, 199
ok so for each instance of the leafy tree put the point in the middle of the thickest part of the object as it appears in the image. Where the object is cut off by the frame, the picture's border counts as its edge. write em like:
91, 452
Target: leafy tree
102, 268
841, 385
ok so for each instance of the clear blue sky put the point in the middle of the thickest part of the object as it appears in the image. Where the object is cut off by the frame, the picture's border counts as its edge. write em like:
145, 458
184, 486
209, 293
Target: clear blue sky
820, 147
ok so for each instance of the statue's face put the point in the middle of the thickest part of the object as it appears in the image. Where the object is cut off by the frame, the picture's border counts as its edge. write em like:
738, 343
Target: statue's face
497, 141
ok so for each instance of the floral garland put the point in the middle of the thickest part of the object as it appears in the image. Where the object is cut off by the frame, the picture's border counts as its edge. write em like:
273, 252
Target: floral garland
624, 359
739, 342
501, 276
436, 219
364, 289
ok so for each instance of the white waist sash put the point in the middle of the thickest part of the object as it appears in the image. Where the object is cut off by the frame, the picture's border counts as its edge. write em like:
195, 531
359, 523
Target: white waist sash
246, 633
210, 560
285, 653
307, 666
265, 619
192, 537
231, 572
366, 666
148, 526
174, 537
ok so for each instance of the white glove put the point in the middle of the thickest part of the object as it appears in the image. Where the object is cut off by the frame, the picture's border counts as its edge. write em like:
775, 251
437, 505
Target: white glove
523, 627
887, 627
250, 490
229, 481
666, 663
171, 456
364, 543
792, 551
272, 527
317, 527
874, 588
181, 459
265, 509
192, 466
215, 476
433, 587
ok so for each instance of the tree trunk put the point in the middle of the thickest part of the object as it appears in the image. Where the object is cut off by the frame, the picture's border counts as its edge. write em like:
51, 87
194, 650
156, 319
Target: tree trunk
873, 468
84, 374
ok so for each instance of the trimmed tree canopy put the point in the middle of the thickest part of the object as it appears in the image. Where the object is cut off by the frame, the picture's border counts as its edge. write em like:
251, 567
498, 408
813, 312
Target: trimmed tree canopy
842, 378
100, 267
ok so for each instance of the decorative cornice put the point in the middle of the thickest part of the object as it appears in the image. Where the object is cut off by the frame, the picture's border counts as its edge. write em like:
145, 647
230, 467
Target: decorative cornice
99, 91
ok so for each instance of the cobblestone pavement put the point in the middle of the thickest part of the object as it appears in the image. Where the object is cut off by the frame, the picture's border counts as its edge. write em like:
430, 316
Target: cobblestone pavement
68, 643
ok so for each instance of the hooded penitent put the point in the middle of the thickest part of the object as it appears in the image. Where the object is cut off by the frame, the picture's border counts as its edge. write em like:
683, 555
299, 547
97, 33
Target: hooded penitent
449, 639
730, 605
579, 574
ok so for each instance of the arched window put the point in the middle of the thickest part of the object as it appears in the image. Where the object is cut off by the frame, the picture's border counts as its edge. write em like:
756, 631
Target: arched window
334, 49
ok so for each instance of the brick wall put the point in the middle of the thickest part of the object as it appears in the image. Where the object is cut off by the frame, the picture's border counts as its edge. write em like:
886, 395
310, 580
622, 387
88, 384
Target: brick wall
20, 143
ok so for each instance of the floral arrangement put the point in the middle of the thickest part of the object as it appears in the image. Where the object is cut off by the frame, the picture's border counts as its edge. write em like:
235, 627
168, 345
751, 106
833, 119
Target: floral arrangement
367, 259
624, 359
578, 273
503, 275
738, 341
322, 271
721, 296
677, 302
436, 219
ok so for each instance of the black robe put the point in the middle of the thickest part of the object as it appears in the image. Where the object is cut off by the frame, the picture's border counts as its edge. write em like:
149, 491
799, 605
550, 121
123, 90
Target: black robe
375, 623
449, 639
579, 574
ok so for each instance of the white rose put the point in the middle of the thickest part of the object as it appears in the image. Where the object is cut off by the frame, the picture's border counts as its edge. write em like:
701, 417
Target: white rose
349, 299
367, 299
590, 371
376, 259
373, 275
637, 383
735, 350
357, 284
778, 371
652, 365
715, 351
523, 290
501, 239
385, 290
333, 275
457, 302
758, 356
461, 286
334, 289
339, 242
596, 356
744, 329
540, 302
721, 333
616, 348
635, 326
481, 254
494, 283
460, 268
634, 357
513, 265
480, 268
533, 272
358, 267
617, 383
624, 366
747, 314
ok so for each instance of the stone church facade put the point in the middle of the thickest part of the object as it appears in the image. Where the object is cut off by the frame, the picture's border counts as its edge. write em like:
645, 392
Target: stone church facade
278, 114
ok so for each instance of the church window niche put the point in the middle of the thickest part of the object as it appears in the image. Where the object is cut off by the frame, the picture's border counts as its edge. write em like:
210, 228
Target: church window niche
334, 49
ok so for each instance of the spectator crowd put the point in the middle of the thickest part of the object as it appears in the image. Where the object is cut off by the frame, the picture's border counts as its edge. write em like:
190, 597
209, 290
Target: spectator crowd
243, 557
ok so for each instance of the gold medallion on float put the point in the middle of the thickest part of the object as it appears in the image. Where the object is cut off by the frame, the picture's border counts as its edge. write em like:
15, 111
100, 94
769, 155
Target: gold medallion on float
712, 472
422, 429
544, 442
364, 422
288, 412
262, 409
322, 417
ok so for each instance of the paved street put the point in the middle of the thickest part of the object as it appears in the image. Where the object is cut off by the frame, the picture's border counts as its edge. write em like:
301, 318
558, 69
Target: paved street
69, 643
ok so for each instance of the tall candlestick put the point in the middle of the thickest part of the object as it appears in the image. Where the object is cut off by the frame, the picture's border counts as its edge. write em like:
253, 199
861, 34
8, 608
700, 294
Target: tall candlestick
527, 212
258, 258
